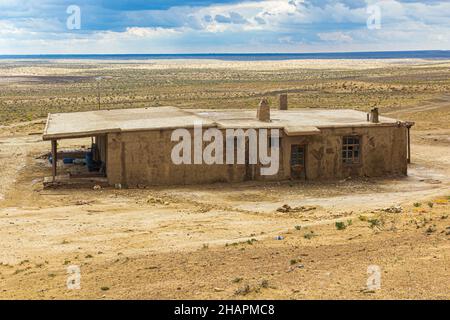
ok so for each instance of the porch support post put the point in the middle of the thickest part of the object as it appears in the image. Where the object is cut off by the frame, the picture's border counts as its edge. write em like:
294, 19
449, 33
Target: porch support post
54, 159
409, 144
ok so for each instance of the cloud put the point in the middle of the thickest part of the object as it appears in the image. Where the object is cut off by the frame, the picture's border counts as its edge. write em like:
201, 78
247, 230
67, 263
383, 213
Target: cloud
233, 17
260, 20
39, 26
335, 36
149, 32
222, 19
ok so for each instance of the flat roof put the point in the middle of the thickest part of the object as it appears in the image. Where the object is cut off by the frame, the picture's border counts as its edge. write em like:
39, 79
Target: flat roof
295, 117
294, 122
91, 123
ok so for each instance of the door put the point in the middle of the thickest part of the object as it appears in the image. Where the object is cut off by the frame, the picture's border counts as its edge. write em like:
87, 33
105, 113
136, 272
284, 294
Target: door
249, 168
298, 168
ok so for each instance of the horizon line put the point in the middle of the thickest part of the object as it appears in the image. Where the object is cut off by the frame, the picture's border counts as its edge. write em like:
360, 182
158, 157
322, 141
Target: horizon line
224, 53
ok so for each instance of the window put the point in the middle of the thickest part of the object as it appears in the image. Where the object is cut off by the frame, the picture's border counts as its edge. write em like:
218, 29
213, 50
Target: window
297, 155
351, 150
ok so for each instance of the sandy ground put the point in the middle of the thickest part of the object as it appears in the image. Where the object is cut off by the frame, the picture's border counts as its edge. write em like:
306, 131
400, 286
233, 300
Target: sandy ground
177, 249
33, 70
219, 241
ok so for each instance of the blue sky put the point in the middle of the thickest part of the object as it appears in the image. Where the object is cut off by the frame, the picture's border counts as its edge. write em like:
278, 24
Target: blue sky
197, 26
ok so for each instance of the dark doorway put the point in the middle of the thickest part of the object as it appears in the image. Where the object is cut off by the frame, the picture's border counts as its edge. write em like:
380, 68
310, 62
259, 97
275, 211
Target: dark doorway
298, 164
249, 168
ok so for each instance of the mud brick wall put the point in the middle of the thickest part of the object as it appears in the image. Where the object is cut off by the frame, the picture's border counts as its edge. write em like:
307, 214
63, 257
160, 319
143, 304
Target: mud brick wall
144, 158
383, 152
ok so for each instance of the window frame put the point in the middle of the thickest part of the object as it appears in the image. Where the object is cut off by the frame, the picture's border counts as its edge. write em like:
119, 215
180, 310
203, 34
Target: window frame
350, 149
300, 146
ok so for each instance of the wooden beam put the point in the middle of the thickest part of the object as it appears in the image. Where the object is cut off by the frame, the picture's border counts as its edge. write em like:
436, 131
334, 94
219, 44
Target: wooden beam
409, 145
54, 159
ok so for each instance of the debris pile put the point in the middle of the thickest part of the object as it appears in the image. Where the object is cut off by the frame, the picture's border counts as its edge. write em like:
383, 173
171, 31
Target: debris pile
157, 201
83, 202
393, 209
287, 208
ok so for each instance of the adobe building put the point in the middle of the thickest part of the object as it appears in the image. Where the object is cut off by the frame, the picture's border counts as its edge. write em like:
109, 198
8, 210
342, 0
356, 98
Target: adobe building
133, 147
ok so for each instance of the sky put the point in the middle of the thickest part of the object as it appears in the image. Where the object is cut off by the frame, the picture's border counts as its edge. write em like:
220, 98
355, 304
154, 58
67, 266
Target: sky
226, 26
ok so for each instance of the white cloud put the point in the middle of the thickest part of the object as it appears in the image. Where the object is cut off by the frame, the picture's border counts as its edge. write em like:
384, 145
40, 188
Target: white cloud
148, 32
335, 36
7, 28
276, 25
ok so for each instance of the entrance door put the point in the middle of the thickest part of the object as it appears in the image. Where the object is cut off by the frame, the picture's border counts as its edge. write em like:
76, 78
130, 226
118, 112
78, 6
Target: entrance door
298, 168
249, 168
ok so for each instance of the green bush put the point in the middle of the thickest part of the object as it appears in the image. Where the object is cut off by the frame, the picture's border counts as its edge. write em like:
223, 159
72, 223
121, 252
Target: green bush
375, 223
340, 225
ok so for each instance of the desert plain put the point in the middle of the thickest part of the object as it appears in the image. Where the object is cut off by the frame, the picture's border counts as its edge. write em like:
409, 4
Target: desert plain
286, 240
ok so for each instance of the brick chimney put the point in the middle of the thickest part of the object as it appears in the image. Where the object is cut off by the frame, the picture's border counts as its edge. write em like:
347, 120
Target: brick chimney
283, 101
374, 115
263, 113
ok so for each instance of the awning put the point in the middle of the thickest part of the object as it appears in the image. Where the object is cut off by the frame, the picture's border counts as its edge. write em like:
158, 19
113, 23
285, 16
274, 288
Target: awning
301, 130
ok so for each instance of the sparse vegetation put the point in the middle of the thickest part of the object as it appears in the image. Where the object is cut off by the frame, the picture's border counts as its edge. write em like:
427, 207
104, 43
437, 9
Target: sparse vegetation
265, 284
431, 229
243, 291
237, 280
375, 223
309, 235
340, 225
73, 88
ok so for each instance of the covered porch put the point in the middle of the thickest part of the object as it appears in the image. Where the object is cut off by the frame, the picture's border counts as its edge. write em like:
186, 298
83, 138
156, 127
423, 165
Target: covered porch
78, 165
83, 154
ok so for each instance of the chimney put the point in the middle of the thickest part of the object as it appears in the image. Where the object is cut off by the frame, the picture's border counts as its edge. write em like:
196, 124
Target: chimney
283, 101
374, 115
263, 113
